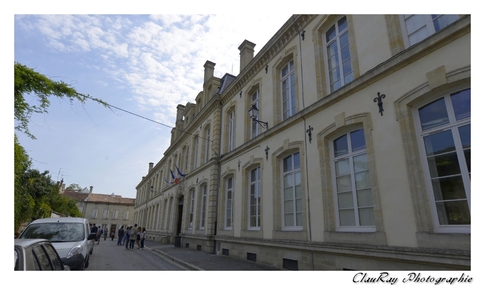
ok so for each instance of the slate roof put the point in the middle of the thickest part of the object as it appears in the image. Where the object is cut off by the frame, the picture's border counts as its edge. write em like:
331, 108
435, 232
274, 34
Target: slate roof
99, 198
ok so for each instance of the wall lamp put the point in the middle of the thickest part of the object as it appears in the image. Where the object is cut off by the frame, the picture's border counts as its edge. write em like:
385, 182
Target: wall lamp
254, 113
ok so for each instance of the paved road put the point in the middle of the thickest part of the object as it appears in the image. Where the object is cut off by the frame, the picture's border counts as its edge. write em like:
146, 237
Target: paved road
110, 257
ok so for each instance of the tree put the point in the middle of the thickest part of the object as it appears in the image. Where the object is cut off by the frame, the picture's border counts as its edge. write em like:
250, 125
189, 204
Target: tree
74, 187
35, 194
28, 81
23, 203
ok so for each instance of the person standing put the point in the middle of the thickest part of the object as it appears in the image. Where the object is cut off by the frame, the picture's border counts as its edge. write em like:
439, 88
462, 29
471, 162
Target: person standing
112, 234
142, 238
121, 232
127, 237
138, 237
94, 230
105, 232
99, 233
133, 237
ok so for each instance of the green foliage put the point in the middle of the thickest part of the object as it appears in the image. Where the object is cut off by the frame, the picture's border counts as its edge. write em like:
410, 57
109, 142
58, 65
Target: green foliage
74, 187
28, 81
35, 194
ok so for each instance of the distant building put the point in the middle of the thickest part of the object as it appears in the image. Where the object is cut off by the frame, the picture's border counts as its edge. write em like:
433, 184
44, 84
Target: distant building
109, 211
343, 144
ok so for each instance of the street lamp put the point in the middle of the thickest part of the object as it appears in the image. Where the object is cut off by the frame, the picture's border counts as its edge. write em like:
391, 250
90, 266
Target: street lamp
254, 114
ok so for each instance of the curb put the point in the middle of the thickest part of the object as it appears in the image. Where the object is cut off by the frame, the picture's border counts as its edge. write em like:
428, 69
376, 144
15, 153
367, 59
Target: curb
176, 260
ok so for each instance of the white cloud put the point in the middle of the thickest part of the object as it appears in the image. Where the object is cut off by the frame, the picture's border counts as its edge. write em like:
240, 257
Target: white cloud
161, 59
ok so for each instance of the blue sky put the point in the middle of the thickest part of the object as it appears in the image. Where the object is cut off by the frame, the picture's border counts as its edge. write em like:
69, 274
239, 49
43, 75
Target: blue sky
144, 64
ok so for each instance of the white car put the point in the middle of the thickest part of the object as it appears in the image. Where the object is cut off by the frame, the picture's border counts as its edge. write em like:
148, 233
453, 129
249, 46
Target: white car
70, 237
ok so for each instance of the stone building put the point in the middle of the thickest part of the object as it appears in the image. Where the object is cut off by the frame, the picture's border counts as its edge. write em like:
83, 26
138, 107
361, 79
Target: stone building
109, 211
343, 144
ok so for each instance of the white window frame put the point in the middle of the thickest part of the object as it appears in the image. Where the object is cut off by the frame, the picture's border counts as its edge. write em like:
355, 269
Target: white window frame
94, 213
452, 125
350, 155
340, 64
229, 203
126, 215
288, 90
255, 127
232, 126
257, 187
427, 26
203, 206
105, 214
116, 214
293, 173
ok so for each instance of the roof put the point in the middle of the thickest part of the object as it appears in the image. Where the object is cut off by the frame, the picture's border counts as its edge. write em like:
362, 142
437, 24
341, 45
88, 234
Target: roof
76, 195
99, 198
111, 199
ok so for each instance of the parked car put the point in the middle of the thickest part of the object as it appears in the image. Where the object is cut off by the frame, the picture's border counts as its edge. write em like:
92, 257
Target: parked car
70, 237
36, 254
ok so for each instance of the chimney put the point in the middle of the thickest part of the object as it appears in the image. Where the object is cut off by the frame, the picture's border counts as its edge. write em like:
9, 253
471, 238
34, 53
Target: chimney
180, 112
209, 70
89, 195
246, 54
150, 167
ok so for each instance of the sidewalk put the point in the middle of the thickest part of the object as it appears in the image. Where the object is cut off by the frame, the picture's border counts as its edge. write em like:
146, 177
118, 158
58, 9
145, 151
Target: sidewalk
200, 260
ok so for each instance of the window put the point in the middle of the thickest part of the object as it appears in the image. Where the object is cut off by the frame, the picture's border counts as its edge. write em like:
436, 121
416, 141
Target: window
292, 196
53, 256
255, 125
94, 213
196, 151
191, 208
116, 214
229, 202
445, 133
42, 258
186, 162
419, 27
126, 214
170, 213
202, 210
254, 198
105, 214
339, 62
207, 143
354, 205
288, 90
232, 127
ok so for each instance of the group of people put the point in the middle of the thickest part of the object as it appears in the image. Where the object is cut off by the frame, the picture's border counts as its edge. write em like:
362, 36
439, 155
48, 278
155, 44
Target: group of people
99, 231
130, 235
126, 236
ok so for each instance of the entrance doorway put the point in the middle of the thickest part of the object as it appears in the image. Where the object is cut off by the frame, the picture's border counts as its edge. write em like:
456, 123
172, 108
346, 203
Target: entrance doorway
180, 214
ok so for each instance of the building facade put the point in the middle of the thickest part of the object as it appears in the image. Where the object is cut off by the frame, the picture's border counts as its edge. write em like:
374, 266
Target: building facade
343, 144
108, 211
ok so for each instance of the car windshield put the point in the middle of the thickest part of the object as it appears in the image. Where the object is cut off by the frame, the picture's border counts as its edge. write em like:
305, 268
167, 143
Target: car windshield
55, 232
